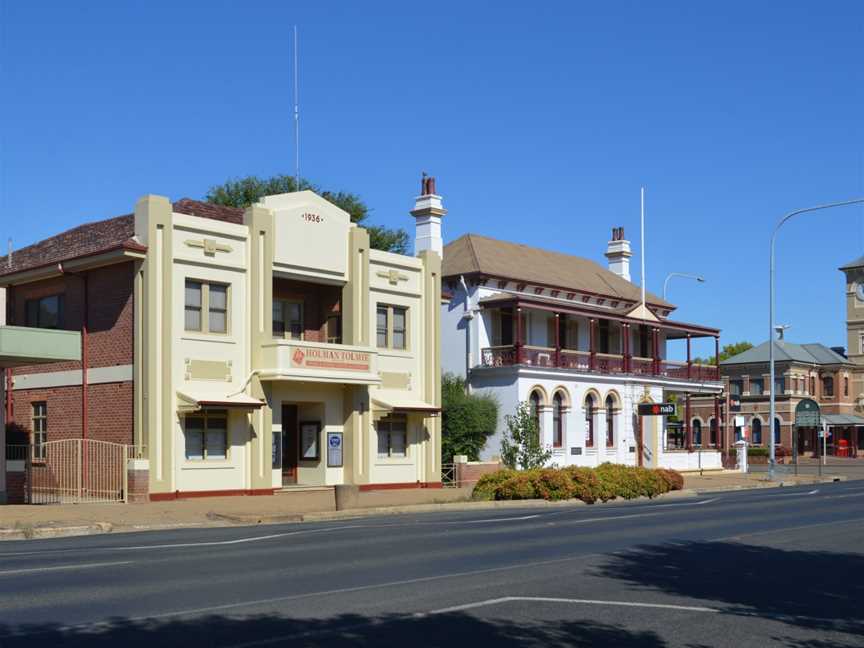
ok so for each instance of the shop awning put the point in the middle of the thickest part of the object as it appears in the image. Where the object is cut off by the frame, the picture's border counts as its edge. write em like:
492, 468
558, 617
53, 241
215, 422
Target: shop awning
195, 401
843, 420
403, 405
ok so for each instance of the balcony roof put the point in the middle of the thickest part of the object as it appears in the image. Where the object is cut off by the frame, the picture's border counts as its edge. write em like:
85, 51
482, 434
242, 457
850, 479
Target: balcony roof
27, 346
675, 330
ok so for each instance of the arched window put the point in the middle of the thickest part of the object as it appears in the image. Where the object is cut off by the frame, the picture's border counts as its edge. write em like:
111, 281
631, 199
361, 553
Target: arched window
776, 431
845, 385
535, 403
590, 407
610, 421
696, 426
756, 430
712, 433
828, 386
558, 420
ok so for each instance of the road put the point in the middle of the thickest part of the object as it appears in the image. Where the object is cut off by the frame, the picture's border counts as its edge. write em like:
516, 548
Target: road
772, 567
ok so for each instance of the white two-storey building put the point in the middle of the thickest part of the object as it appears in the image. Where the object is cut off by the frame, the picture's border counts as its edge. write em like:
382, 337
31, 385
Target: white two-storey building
575, 341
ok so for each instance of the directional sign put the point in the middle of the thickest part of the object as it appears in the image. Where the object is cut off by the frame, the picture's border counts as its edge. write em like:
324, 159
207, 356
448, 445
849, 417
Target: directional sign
657, 409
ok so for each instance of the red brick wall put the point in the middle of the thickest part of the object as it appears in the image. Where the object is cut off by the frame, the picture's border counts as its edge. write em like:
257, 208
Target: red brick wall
15, 486
318, 302
467, 474
110, 343
139, 486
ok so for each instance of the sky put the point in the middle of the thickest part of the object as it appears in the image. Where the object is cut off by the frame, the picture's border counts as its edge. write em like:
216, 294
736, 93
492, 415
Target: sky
540, 121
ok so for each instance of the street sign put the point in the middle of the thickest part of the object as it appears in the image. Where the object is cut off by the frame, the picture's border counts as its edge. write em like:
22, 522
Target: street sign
657, 409
334, 449
734, 403
807, 414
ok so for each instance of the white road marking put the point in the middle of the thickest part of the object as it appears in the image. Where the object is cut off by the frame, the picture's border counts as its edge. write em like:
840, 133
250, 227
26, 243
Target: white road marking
36, 570
550, 599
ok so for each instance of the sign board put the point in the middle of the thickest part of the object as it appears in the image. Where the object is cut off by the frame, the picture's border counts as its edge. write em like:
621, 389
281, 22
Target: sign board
657, 409
807, 413
334, 449
312, 357
734, 403
740, 421
309, 434
575, 451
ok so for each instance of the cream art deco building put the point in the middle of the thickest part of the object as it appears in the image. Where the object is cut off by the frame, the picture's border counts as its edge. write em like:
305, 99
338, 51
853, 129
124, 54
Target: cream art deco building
237, 351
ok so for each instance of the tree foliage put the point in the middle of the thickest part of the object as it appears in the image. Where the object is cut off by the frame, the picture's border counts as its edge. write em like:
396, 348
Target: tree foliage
466, 420
520, 446
242, 192
726, 352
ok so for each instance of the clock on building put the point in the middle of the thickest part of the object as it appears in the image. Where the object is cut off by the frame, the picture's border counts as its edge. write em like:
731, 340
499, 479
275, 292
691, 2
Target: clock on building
859, 291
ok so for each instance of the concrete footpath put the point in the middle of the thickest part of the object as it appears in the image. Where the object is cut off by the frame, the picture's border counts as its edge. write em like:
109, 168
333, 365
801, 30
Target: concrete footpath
45, 521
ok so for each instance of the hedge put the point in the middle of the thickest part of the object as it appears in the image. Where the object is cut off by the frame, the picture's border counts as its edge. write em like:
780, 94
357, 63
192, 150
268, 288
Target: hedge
606, 482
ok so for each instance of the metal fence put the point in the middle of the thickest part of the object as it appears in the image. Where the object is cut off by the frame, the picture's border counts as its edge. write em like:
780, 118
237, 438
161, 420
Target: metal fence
448, 475
76, 471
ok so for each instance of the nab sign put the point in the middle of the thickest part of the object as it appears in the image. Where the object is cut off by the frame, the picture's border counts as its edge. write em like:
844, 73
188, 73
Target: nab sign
657, 409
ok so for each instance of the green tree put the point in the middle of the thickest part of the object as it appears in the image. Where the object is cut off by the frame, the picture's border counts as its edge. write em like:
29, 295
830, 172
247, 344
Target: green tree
520, 445
243, 192
466, 420
726, 352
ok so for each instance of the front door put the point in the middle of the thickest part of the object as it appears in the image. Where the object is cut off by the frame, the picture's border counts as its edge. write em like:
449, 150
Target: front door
290, 444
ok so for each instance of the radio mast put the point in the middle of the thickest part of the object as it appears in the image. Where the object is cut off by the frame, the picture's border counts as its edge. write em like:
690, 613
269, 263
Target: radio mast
296, 114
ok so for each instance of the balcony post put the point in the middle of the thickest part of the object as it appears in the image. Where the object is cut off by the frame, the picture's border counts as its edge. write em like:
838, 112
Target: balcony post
591, 349
625, 333
655, 351
519, 332
689, 360
557, 340
717, 355
716, 423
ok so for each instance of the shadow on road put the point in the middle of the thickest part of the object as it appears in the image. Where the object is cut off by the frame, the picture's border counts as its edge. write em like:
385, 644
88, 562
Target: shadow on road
816, 590
448, 630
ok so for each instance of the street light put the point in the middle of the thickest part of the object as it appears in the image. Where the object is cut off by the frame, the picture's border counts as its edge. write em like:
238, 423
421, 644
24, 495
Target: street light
772, 411
698, 278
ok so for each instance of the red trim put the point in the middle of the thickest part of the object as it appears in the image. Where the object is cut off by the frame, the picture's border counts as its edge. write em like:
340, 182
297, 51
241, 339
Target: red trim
166, 497
374, 487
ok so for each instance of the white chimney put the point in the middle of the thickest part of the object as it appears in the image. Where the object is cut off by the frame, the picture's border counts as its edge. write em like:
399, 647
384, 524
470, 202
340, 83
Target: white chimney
427, 213
618, 252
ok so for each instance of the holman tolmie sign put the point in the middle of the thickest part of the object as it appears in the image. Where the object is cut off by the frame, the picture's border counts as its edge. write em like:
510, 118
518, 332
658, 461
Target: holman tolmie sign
321, 358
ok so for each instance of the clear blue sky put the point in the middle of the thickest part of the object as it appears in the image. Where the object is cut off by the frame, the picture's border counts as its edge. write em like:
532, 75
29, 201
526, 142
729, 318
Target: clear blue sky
540, 121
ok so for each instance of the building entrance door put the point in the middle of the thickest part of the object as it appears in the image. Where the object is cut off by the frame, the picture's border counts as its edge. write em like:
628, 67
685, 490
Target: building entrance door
290, 444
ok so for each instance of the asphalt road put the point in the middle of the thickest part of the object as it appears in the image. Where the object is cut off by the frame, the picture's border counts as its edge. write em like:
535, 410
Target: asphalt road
778, 567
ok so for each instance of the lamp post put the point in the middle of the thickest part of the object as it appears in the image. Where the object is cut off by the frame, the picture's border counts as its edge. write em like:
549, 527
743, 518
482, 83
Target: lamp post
698, 278
772, 408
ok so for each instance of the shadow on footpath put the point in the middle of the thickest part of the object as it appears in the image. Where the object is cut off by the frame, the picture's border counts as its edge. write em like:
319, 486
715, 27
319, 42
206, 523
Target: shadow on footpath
445, 630
816, 590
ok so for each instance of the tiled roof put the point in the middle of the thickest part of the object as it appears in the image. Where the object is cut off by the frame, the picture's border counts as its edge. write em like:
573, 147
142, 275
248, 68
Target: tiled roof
814, 353
102, 236
471, 254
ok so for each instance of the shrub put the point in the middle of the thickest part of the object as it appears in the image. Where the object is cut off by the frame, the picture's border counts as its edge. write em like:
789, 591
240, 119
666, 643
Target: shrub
518, 487
629, 482
486, 486
674, 480
586, 485
757, 452
553, 484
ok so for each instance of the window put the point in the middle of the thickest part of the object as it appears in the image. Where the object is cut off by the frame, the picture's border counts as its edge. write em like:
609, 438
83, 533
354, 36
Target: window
696, 428
288, 319
756, 431
845, 385
206, 307
206, 435
779, 385
590, 406
334, 329
45, 312
40, 428
535, 403
674, 436
558, 420
736, 387
391, 327
610, 421
757, 386
604, 335
712, 434
812, 385
568, 332
392, 436
828, 386
644, 342
776, 431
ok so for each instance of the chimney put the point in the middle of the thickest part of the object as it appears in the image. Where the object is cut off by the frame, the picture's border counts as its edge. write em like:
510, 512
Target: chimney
427, 213
618, 252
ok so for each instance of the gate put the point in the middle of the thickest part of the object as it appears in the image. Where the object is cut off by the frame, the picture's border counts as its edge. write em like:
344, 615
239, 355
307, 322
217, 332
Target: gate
74, 471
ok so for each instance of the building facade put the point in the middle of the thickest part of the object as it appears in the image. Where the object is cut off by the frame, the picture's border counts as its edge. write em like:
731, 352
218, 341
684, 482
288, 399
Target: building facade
575, 341
236, 351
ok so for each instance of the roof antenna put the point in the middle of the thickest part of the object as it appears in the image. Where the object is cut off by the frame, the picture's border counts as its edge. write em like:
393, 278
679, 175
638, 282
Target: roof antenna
296, 115
780, 329
642, 237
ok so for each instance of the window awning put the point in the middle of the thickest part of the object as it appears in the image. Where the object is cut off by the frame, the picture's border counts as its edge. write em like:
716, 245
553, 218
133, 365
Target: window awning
197, 401
842, 420
403, 405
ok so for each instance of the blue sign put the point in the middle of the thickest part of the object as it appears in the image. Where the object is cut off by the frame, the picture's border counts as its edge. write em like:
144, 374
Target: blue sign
334, 449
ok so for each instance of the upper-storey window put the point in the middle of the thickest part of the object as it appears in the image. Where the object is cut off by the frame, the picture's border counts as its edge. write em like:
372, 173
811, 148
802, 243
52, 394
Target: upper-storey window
645, 342
828, 386
757, 386
206, 307
288, 319
391, 327
736, 387
45, 312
